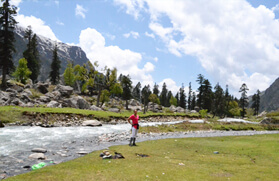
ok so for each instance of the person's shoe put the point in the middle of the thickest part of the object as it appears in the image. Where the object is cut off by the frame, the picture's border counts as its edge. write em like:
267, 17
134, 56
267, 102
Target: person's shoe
130, 144
134, 140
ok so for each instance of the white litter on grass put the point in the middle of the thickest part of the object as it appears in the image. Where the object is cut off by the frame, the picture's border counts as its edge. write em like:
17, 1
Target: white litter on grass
229, 120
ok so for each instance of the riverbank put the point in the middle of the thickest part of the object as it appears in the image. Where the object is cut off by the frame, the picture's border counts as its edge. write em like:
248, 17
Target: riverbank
62, 150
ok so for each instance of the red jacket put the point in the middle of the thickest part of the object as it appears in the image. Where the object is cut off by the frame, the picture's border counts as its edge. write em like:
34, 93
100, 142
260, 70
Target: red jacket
135, 120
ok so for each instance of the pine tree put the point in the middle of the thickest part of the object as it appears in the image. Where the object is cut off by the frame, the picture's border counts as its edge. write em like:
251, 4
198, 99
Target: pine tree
137, 92
200, 96
31, 54
218, 101
145, 97
190, 96
163, 96
256, 102
193, 102
177, 99
7, 25
207, 95
169, 96
55, 67
244, 98
127, 87
182, 97
22, 72
156, 90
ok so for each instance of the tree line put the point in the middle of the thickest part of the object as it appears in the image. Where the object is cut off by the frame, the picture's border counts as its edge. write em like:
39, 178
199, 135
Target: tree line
88, 80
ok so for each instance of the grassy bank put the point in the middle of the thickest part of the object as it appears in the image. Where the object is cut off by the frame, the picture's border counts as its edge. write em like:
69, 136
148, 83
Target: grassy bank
239, 158
9, 114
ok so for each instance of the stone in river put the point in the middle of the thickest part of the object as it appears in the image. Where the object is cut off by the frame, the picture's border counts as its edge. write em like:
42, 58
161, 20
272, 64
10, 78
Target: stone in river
40, 156
39, 150
91, 123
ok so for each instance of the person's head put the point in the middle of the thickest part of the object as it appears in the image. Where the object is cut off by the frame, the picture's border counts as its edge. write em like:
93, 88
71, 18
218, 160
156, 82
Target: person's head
135, 112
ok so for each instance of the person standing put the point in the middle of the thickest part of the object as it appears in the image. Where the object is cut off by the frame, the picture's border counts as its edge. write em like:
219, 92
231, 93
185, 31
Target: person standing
135, 127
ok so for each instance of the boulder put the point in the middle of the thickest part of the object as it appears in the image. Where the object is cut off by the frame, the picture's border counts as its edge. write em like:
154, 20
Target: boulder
56, 95
95, 108
180, 109
27, 92
134, 102
39, 156
193, 111
25, 97
172, 108
69, 103
42, 87
135, 108
1, 125
91, 123
113, 110
39, 150
44, 99
82, 103
11, 90
66, 91
53, 104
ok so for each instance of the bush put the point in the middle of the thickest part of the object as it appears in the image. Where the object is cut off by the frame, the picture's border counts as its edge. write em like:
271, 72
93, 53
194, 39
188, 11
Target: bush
203, 113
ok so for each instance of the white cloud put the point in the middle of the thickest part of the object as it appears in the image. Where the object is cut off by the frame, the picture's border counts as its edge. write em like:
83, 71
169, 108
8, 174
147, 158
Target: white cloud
228, 38
126, 61
156, 59
15, 2
80, 11
59, 23
275, 8
38, 26
171, 85
151, 35
133, 34
57, 3
132, 6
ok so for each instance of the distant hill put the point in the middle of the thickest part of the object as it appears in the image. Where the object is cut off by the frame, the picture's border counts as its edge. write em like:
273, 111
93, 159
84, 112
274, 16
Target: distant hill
270, 98
45, 47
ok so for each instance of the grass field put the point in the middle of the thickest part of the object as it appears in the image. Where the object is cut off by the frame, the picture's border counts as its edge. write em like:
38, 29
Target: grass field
239, 158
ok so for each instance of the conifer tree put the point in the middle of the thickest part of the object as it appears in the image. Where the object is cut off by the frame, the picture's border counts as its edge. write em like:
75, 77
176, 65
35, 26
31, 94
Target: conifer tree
126, 84
55, 67
182, 97
193, 102
169, 96
156, 90
218, 101
137, 92
244, 99
31, 54
207, 95
200, 96
7, 24
256, 102
145, 97
163, 96
190, 96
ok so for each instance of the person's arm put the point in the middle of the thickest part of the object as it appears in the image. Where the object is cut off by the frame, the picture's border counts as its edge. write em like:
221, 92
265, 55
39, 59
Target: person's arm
129, 120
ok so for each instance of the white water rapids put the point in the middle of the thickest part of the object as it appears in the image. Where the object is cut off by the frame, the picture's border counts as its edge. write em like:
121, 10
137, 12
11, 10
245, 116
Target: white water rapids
19, 138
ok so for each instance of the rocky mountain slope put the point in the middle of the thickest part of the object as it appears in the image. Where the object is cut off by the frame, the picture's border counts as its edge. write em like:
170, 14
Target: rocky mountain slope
270, 98
45, 47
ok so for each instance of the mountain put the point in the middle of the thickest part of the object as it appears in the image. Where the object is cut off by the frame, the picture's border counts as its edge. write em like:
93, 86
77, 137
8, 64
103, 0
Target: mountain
270, 99
45, 47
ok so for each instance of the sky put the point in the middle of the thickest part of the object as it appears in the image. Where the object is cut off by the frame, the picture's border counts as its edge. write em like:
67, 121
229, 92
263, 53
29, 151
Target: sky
155, 41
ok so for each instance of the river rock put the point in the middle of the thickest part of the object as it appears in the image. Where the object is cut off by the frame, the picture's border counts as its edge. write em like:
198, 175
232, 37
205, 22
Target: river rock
39, 150
180, 109
82, 152
95, 108
1, 125
91, 123
39, 156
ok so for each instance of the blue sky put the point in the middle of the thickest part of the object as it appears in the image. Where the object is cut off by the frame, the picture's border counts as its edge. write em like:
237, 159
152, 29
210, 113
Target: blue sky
156, 41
